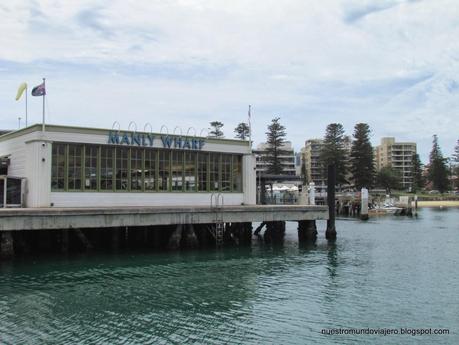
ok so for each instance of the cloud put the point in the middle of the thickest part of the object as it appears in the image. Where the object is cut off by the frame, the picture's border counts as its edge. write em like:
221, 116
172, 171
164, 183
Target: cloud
391, 63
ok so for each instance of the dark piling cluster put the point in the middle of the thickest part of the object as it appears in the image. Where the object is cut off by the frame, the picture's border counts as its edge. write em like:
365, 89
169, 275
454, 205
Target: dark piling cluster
155, 238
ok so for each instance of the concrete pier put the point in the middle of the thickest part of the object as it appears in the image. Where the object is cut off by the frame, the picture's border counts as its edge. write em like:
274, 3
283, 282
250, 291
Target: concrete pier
64, 230
109, 217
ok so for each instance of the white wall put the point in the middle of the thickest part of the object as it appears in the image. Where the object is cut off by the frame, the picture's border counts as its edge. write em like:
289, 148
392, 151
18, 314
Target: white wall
249, 179
31, 158
38, 173
108, 199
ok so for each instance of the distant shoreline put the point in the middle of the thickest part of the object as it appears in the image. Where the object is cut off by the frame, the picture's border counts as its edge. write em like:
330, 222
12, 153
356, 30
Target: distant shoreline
439, 203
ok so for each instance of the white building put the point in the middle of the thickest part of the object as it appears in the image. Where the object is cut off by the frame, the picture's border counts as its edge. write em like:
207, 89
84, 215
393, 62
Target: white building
88, 167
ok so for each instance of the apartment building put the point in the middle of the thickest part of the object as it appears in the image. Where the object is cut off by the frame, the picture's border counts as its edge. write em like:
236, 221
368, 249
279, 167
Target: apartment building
311, 159
288, 158
398, 155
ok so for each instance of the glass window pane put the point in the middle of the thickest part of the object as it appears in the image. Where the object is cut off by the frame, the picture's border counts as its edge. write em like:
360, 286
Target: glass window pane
177, 170
237, 174
190, 171
164, 170
150, 170
203, 175
74, 167
90, 167
214, 172
136, 169
106, 168
226, 173
58, 167
121, 174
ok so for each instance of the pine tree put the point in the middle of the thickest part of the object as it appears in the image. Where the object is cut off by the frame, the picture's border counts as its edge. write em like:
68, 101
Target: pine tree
388, 178
275, 141
455, 160
304, 174
242, 131
456, 153
217, 129
418, 178
438, 170
334, 152
362, 164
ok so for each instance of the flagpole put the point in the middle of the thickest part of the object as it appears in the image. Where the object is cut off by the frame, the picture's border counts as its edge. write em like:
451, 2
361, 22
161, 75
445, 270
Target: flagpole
250, 127
26, 90
43, 120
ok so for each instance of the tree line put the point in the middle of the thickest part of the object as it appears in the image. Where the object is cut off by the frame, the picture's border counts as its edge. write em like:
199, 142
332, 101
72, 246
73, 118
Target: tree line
353, 158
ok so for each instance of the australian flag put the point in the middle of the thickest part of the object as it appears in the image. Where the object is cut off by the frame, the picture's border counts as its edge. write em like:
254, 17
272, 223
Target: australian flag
39, 90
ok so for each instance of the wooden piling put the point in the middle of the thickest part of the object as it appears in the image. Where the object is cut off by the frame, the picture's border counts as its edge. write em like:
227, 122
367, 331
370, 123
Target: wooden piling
330, 233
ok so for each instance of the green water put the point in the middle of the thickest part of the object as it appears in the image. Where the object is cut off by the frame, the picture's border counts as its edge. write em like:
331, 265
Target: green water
386, 273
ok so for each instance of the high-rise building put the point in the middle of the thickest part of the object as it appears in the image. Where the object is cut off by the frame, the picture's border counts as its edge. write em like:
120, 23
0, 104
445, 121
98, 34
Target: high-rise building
397, 155
287, 158
311, 156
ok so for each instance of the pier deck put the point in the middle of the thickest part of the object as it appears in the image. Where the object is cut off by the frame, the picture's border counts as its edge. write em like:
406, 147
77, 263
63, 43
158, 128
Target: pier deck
13, 219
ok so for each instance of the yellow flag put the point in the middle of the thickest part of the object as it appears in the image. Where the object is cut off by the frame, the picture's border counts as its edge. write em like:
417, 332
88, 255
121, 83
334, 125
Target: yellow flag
21, 89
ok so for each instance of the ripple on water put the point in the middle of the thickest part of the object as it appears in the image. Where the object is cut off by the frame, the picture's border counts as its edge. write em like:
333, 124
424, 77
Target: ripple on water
386, 273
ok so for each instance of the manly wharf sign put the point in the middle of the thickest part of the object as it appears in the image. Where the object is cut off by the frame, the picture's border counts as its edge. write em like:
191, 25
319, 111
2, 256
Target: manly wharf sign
148, 139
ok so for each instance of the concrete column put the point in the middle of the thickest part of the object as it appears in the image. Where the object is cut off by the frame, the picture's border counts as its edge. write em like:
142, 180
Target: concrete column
307, 231
176, 238
303, 198
364, 204
191, 241
312, 193
6, 245
84, 240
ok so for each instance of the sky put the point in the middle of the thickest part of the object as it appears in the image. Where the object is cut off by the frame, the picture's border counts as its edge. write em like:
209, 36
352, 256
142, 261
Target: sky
393, 64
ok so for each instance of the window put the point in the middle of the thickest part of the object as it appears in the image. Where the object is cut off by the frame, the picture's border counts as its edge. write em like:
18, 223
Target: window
177, 170
150, 170
136, 169
226, 173
203, 160
121, 175
106, 168
164, 170
190, 171
214, 172
90, 167
58, 167
237, 173
74, 167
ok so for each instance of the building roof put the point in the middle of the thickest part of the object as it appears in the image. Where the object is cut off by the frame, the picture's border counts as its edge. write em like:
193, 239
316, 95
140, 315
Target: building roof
103, 131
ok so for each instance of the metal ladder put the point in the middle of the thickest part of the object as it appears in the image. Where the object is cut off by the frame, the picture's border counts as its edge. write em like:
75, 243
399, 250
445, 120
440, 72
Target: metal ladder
218, 229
